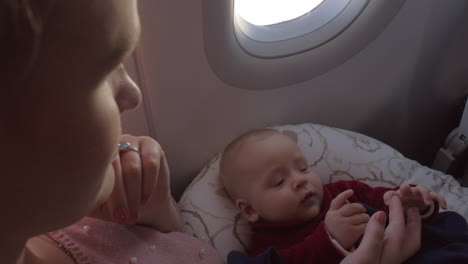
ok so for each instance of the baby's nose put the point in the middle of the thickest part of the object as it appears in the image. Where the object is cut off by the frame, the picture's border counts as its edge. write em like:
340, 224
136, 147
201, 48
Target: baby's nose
299, 182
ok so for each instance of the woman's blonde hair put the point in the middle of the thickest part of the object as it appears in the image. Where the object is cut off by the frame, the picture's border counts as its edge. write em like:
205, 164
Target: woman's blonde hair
21, 30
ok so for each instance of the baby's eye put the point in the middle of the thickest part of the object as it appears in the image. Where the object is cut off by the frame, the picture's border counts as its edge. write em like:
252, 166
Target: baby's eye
279, 183
304, 169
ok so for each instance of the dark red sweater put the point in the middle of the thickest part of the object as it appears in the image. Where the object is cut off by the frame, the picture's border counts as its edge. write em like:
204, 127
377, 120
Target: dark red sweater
309, 242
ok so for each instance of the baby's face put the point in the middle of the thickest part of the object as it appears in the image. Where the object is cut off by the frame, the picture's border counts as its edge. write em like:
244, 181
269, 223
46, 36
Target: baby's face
279, 184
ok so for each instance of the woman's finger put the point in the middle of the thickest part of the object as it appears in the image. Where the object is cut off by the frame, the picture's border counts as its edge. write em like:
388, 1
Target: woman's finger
396, 216
361, 228
163, 188
341, 199
375, 231
117, 202
412, 233
132, 179
369, 251
151, 153
394, 233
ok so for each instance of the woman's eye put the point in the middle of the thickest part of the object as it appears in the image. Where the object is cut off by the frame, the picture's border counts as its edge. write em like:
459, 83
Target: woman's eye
279, 183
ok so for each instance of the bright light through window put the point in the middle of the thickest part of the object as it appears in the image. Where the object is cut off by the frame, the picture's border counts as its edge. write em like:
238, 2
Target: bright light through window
268, 12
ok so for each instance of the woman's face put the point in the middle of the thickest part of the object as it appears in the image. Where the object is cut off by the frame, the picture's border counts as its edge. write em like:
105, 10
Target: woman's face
63, 123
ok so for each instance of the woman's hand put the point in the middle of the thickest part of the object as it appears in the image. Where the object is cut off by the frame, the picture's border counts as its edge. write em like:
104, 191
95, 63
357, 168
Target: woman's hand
401, 240
392, 245
141, 193
136, 175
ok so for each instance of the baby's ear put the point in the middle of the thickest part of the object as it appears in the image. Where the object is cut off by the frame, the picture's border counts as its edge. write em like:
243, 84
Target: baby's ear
247, 211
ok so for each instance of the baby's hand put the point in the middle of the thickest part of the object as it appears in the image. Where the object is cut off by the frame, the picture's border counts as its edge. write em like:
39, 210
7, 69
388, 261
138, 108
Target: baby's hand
418, 196
345, 221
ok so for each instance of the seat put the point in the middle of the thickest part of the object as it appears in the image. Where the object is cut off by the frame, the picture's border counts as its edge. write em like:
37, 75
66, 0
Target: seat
334, 154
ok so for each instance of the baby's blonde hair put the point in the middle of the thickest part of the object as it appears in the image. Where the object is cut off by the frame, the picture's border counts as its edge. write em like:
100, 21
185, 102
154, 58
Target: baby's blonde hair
227, 170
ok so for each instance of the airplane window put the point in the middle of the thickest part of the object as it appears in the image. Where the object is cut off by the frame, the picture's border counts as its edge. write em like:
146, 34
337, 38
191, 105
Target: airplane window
267, 44
269, 12
278, 28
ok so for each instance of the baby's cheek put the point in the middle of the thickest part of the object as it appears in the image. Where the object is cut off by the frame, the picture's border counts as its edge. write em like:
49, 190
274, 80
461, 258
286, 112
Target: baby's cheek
277, 209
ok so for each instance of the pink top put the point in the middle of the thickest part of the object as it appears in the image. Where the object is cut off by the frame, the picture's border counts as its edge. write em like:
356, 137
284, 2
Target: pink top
95, 241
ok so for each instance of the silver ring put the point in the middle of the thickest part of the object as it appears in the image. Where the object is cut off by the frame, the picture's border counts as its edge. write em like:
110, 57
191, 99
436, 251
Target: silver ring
124, 146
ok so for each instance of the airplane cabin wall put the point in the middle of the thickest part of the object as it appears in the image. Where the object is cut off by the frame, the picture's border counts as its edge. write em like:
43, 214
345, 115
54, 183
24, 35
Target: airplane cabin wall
405, 88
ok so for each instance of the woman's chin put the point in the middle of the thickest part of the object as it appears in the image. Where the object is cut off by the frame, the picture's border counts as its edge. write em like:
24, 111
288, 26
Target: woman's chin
106, 188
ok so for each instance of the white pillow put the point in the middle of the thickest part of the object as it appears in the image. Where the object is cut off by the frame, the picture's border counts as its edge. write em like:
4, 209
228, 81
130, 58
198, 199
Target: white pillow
335, 154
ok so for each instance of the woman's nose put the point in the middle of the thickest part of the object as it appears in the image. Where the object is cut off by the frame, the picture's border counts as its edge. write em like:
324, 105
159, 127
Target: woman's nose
128, 93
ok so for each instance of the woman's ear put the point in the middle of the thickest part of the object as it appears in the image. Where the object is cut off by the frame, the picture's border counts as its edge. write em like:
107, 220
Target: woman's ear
247, 211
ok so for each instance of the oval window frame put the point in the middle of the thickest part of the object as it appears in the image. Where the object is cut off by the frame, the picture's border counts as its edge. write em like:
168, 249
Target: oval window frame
237, 67
306, 32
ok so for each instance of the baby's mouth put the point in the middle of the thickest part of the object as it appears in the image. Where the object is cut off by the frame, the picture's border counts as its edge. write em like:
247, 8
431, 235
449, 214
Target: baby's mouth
307, 196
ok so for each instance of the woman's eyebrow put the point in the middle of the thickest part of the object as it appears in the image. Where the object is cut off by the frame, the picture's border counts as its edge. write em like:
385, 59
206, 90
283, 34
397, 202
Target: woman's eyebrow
125, 50
126, 44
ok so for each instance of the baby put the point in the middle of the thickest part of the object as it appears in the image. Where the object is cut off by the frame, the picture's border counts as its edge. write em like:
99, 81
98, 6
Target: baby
268, 178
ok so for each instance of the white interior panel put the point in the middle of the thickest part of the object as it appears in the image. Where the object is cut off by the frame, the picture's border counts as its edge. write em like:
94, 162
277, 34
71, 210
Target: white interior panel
404, 88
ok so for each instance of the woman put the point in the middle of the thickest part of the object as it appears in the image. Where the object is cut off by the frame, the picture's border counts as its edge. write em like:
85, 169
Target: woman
63, 91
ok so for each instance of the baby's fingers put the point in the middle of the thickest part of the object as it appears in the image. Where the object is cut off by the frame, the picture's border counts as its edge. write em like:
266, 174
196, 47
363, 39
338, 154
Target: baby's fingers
387, 196
359, 219
406, 192
441, 200
351, 209
423, 192
341, 200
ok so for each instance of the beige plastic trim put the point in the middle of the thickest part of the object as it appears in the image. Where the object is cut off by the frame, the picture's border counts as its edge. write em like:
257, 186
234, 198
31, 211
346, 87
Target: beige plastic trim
236, 67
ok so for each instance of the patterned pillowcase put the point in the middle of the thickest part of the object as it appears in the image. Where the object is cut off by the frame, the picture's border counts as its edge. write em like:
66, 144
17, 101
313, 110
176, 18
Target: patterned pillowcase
334, 154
